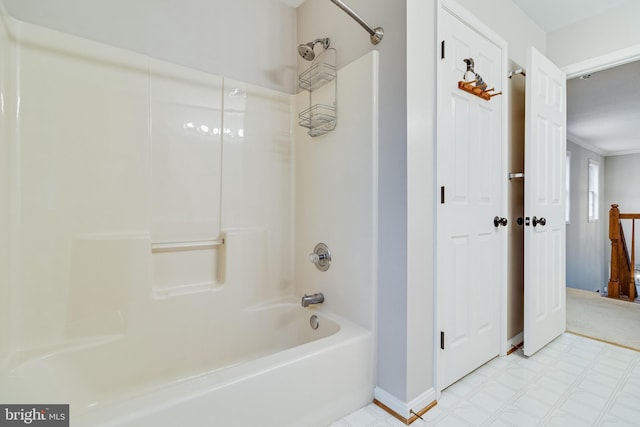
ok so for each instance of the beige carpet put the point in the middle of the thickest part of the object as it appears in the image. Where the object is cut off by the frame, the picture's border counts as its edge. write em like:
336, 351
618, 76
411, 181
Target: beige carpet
605, 319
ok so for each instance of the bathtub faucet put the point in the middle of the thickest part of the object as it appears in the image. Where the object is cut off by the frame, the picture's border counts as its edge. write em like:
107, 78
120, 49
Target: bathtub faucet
312, 299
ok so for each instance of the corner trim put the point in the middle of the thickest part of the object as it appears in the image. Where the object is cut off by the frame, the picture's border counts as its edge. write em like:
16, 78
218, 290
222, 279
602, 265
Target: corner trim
602, 62
404, 411
587, 146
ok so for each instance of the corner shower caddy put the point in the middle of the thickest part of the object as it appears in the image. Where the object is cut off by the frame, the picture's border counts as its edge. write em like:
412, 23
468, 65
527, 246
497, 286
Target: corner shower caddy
320, 117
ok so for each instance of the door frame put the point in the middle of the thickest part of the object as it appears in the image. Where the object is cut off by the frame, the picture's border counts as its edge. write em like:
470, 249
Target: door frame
462, 14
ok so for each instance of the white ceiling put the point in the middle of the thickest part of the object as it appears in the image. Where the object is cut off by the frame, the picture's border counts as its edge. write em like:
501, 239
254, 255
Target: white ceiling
551, 15
602, 111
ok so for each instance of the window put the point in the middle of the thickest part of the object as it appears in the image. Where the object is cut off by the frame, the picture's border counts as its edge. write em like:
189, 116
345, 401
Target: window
568, 189
594, 183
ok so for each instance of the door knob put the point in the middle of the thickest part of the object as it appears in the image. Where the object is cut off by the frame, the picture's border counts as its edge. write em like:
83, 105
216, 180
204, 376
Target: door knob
497, 221
541, 221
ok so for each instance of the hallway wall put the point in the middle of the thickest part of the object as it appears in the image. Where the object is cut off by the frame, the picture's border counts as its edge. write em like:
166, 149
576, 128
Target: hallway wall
586, 267
622, 181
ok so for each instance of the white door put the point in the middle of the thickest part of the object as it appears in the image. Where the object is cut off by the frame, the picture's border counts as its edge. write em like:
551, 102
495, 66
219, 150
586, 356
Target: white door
470, 258
544, 235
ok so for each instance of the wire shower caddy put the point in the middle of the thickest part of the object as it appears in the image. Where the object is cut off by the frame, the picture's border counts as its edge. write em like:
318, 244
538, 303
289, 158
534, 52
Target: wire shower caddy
321, 115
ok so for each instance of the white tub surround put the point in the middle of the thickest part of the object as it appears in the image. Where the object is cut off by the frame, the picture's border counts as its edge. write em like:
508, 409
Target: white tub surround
338, 205
154, 214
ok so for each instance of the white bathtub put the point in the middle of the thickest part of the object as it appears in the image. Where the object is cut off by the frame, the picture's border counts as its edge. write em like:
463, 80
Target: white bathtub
269, 368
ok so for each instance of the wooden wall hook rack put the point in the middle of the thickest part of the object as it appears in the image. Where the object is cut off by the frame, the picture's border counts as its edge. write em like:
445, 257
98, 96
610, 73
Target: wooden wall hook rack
477, 91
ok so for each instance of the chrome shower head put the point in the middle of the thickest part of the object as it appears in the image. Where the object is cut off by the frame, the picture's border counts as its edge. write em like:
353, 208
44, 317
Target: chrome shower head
306, 50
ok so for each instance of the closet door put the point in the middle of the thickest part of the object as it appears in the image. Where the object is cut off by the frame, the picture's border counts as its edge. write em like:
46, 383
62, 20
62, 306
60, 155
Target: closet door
544, 235
471, 262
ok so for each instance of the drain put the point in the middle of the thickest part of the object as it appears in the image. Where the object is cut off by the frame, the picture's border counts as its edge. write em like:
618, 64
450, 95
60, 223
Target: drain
314, 322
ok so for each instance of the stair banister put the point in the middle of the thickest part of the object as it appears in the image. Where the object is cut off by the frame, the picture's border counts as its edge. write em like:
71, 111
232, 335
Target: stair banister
613, 289
622, 275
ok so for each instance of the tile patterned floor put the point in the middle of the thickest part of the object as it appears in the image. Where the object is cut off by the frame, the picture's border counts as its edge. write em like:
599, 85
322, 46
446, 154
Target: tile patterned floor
573, 381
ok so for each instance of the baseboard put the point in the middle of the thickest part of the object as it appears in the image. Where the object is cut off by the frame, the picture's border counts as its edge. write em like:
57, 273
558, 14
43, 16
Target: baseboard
403, 411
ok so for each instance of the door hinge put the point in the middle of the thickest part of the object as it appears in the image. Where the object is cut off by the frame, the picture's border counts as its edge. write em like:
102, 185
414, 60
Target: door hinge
442, 50
442, 340
442, 195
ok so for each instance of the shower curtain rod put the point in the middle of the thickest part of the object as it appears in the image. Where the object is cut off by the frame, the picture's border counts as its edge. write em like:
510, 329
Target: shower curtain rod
376, 33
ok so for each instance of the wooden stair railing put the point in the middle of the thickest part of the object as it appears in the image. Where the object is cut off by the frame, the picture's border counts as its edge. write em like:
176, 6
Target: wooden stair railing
622, 279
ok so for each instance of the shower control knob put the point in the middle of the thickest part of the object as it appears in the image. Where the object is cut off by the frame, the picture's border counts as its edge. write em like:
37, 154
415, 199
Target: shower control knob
497, 221
316, 258
321, 257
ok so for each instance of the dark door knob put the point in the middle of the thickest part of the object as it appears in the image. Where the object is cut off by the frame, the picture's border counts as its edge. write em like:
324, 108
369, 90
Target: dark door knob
497, 221
541, 221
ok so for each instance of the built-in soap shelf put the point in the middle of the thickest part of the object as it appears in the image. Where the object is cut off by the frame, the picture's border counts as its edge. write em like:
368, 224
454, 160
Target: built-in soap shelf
185, 245
321, 115
182, 267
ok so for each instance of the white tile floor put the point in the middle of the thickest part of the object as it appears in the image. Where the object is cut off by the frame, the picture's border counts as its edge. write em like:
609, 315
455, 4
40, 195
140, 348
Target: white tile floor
573, 381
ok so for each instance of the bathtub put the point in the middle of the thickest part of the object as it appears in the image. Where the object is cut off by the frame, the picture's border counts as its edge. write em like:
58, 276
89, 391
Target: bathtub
272, 370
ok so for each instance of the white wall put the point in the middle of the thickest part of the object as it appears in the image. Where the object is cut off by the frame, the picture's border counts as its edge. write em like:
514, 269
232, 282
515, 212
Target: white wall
622, 181
421, 118
586, 267
613, 30
511, 23
249, 40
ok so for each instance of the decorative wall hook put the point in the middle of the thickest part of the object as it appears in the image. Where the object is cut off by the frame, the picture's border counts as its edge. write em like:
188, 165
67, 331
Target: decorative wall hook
473, 83
478, 91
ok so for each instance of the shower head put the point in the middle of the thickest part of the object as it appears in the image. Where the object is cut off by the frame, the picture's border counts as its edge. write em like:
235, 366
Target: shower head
306, 50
